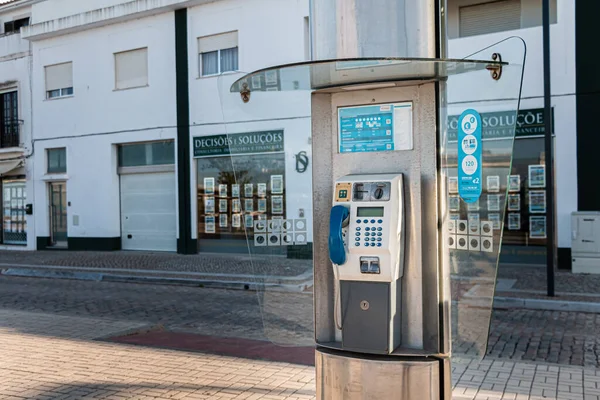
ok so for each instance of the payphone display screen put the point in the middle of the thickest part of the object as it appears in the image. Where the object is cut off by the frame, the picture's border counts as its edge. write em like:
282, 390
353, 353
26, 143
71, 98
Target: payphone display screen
369, 212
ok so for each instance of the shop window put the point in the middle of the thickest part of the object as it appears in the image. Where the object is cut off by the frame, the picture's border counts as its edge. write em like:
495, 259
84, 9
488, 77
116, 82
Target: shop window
15, 26
131, 69
59, 80
218, 54
145, 154
9, 129
57, 161
13, 223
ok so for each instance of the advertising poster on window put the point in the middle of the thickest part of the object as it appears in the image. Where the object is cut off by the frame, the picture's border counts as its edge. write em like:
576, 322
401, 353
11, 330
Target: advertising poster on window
514, 202
223, 205
514, 221
248, 220
235, 190
493, 184
493, 202
277, 204
537, 227
277, 184
453, 184
473, 206
262, 205
236, 206
209, 186
454, 217
236, 221
222, 190
209, 205
248, 190
223, 221
514, 183
473, 218
209, 225
537, 201
454, 203
494, 218
262, 189
537, 176
249, 205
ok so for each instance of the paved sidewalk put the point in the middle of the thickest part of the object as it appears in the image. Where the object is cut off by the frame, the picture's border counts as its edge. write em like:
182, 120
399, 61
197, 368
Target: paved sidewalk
38, 364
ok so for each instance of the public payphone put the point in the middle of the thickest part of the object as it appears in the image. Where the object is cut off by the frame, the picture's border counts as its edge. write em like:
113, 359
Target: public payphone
366, 248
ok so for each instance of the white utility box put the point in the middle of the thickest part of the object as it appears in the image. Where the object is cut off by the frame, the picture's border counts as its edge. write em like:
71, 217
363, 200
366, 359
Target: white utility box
585, 245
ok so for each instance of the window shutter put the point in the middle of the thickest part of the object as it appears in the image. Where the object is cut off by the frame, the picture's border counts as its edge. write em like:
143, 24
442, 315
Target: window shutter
498, 16
131, 68
227, 40
59, 76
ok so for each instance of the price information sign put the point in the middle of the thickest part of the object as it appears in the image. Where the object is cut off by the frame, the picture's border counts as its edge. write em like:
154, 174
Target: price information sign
469, 156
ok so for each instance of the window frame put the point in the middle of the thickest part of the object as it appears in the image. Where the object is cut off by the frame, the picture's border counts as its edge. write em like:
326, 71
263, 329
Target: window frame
115, 54
61, 94
219, 72
56, 172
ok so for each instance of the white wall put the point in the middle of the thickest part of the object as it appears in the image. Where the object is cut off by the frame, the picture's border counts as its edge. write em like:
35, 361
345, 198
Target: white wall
562, 37
97, 117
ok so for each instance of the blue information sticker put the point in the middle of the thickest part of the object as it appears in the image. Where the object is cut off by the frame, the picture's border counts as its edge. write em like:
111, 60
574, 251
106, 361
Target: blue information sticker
469, 156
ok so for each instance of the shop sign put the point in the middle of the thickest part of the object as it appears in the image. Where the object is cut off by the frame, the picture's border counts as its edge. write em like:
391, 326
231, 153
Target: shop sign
238, 143
498, 125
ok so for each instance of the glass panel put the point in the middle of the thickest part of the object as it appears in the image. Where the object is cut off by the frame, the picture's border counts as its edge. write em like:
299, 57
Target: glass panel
142, 154
210, 63
57, 160
473, 230
14, 223
163, 153
374, 72
229, 60
268, 145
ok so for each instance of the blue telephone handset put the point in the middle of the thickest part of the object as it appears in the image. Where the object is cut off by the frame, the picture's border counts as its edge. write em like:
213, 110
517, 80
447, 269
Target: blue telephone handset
337, 252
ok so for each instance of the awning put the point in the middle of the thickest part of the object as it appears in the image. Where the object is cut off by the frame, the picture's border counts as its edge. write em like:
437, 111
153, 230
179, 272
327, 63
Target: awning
7, 166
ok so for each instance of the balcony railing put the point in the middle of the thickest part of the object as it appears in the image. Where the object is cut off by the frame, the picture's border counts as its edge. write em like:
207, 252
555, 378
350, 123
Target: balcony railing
9, 133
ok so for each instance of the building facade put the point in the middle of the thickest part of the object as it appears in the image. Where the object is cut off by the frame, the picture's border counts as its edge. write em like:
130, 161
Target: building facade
129, 125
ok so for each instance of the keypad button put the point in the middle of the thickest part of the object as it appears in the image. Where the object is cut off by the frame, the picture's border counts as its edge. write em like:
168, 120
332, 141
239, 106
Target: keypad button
366, 221
380, 229
358, 221
379, 234
372, 221
367, 229
357, 233
379, 239
380, 221
357, 244
372, 244
378, 244
367, 239
358, 229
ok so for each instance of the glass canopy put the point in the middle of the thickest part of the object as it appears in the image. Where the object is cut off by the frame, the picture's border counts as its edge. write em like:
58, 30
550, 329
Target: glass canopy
319, 75
260, 156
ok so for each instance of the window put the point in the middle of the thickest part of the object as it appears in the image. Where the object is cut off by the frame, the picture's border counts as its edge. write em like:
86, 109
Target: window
57, 161
218, 53
131, 69
143, 154
9, 116
15, 26
497, 16
59, 80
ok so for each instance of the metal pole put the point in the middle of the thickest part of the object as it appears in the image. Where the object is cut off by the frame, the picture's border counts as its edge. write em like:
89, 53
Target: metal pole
549, 154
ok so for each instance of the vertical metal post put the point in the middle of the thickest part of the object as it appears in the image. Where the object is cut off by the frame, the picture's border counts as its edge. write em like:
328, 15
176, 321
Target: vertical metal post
549, 154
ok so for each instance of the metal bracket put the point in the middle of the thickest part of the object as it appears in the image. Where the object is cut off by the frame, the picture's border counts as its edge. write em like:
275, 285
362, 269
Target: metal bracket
245, 93
495, 70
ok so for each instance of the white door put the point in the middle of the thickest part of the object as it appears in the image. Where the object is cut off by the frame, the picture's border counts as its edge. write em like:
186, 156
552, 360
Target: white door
148, 206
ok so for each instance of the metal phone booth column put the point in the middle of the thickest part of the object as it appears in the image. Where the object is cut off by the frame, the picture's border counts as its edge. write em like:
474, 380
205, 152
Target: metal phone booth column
408, 191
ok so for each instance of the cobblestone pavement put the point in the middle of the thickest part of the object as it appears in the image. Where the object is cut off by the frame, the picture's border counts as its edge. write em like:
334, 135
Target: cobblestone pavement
534, 278
42, 359
230, 264
284, 318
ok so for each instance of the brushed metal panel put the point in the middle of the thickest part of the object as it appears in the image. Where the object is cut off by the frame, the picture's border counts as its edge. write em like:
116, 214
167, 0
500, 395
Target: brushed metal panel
347, 378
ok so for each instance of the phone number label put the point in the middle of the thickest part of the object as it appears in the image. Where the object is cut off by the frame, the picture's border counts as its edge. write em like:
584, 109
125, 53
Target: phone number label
469, 156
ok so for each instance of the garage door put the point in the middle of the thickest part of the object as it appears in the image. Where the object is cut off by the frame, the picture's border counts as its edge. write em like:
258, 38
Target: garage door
148, 205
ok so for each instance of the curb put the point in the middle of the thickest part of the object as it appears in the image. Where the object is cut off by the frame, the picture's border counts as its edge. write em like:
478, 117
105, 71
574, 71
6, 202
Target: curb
156, 280
507, 303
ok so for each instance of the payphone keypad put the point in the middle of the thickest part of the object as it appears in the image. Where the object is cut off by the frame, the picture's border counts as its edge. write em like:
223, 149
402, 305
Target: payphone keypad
369, 235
